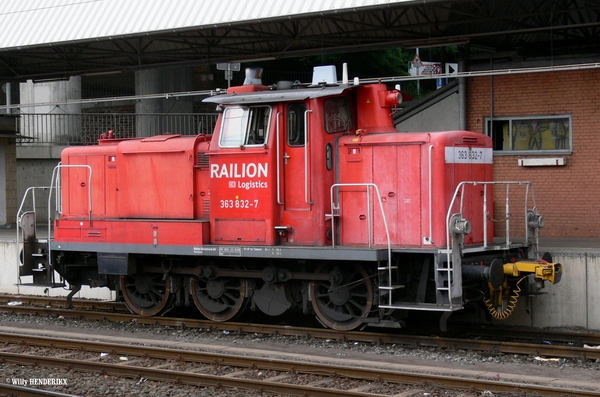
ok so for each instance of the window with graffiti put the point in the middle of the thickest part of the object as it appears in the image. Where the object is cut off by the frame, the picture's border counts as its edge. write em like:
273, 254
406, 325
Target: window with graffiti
530, 134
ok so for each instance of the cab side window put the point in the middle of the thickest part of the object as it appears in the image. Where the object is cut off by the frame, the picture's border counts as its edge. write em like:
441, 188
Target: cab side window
338, 117
245, 126
295, 124
258, 125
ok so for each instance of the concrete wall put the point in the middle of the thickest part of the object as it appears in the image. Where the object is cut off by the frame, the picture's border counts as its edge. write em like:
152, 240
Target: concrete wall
8, 183
156, 81
570, 303
58, 97
436, 115
9, 275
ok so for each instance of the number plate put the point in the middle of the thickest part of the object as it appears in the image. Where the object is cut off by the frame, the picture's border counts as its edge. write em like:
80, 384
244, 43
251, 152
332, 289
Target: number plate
469, 155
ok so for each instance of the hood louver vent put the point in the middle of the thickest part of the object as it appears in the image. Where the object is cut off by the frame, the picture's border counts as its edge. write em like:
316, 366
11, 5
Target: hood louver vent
203, 160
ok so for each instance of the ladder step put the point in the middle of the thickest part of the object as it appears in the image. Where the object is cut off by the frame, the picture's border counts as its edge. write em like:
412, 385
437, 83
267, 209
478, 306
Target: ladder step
387, 268
392, 287
422, 306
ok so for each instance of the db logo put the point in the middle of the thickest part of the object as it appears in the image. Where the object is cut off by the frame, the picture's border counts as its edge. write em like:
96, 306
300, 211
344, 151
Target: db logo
231, 183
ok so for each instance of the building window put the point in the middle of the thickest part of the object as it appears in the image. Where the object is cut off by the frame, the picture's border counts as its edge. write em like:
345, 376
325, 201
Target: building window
530, 134
245, 126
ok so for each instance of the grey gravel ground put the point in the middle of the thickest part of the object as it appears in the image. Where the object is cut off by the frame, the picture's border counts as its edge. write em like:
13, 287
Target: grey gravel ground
98, 385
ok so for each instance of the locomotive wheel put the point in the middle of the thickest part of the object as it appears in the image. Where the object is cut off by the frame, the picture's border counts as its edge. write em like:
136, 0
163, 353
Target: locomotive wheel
145, 294
220, 299
345, 299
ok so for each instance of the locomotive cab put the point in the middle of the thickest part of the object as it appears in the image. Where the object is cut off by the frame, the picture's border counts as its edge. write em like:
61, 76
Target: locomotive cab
277, 158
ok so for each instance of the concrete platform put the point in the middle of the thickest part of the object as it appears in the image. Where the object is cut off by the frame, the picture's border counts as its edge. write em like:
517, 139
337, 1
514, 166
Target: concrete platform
570, 303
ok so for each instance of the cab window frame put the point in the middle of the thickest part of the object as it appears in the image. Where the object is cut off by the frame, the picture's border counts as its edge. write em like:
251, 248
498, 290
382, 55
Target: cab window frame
295, 126
245, 126
337, 115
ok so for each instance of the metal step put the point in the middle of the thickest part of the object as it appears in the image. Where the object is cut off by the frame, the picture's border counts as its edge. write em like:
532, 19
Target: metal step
422, 306
392, 287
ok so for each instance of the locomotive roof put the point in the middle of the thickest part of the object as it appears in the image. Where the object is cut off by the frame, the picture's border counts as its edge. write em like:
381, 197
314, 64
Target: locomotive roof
268, 96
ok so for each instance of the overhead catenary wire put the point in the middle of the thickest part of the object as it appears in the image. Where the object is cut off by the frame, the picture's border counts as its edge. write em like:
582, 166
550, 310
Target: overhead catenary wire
388, 79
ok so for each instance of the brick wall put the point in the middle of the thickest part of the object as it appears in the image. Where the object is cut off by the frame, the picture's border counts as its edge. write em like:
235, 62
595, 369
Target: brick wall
567, 196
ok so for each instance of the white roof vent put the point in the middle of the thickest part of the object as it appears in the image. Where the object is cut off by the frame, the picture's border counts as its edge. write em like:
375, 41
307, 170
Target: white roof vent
324, 75
253, 76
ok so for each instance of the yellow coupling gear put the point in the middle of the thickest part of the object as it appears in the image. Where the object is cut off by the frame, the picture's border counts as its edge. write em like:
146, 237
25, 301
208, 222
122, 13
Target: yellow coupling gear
542, 270
545, 271
511, 304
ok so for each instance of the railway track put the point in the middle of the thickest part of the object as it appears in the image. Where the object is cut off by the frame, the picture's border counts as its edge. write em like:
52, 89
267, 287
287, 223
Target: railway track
24, 391
303, 376
540, 343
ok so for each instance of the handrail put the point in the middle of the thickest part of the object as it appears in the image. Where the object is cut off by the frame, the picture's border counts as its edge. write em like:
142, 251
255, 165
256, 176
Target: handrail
55, 181
460, 192
277, 139
485, 215
306, 160
20, 213
430, 176
369, 219
32, 189
82, 128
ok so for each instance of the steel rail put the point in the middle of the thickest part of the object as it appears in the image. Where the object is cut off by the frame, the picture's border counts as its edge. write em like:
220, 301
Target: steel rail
262, 363
91, 304
26, 391
493, 330
418, 341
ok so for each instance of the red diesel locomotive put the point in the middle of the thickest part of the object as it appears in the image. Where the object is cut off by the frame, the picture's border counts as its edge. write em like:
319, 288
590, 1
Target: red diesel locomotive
303, 199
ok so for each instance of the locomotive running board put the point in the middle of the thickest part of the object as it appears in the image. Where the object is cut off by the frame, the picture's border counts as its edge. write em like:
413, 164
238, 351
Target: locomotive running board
233, 251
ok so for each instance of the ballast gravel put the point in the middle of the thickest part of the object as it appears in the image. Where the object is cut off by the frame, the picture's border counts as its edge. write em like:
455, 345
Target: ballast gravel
85, 384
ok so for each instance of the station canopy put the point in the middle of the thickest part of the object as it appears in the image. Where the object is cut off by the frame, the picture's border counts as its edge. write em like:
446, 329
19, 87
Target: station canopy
49, 39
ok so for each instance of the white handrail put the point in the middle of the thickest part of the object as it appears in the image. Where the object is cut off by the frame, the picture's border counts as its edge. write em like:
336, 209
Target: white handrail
307, 195
369, 220
460, 192
278, 143
20, 213
55, 180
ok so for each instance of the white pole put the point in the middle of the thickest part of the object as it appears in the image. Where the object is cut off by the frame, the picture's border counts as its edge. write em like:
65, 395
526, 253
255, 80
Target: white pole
8, 97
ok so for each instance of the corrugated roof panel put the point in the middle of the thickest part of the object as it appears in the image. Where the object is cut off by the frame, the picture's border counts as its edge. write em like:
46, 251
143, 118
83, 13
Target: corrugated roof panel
28, 23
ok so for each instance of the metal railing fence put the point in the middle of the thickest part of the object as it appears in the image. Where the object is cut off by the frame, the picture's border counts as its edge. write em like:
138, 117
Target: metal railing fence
85, 128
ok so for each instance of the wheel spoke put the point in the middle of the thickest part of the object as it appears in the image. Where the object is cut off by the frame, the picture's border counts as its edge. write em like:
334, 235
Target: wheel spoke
222, 300
144, 294
344, 305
